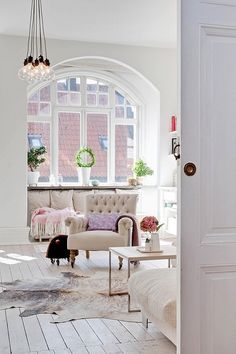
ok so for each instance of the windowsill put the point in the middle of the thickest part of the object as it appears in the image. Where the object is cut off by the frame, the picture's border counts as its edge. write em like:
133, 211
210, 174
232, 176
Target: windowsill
48, 186
100, 186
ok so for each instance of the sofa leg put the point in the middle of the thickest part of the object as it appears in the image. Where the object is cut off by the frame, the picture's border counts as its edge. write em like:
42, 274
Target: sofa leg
87, 254
120, 262
72, 257
144, 320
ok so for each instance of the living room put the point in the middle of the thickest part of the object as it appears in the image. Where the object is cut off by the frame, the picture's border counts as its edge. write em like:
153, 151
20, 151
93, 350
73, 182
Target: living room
133, 60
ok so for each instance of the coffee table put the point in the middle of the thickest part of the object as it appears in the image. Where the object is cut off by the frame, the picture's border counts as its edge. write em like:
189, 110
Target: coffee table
131, 254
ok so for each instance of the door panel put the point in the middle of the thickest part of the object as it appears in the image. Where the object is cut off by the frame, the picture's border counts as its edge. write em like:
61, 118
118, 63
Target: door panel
217, 284
217, 133
208, 199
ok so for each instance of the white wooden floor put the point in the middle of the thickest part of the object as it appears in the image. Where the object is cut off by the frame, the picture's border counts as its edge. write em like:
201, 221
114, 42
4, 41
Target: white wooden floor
36, 334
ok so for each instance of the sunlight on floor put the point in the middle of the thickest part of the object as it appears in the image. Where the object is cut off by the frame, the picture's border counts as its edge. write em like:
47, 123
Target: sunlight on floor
1, 251
8, 261
21, 257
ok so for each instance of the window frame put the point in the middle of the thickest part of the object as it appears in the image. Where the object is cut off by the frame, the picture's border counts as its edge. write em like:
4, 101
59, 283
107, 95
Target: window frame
83, 109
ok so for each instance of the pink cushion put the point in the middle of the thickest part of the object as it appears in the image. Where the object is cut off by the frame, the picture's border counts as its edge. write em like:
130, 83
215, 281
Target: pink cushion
102, 221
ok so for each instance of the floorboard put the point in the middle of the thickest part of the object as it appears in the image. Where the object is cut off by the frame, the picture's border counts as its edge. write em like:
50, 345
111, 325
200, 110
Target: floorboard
17, 334
101, 330
4, 342
121, 333
34, 334
51, 332
86, 333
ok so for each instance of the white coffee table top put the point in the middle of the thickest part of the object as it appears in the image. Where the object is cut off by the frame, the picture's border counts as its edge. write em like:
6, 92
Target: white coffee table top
132, 254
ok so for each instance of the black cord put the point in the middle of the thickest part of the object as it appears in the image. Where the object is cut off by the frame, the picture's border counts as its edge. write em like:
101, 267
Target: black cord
45, 46
33, 30
36, 30
30, 30
40, 28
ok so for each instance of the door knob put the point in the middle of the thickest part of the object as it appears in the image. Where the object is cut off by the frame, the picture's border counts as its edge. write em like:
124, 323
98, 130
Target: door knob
190, 169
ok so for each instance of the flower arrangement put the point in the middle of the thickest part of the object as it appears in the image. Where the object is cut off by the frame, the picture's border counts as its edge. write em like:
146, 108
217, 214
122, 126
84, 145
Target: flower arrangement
150, 224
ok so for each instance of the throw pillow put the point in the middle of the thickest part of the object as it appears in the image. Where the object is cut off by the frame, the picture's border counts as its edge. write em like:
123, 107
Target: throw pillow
79, 200
62, 199
102, 221
38, 199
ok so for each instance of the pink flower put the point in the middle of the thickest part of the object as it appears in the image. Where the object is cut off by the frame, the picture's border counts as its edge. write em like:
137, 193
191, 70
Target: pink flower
150, 224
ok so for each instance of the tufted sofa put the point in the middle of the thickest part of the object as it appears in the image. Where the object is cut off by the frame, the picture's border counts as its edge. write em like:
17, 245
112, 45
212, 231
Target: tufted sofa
100, 240
58, 200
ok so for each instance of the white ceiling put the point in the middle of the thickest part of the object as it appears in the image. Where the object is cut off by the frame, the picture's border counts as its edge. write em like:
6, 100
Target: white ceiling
133, 22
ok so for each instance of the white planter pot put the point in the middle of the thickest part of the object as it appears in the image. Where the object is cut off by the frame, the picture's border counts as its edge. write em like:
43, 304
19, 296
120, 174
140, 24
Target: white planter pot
33, 178
140, 180
84, 175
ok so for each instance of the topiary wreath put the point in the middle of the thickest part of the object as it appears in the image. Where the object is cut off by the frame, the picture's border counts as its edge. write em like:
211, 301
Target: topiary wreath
85, 157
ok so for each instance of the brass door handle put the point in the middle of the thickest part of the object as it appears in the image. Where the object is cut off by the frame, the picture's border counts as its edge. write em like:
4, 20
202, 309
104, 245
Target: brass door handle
190, 169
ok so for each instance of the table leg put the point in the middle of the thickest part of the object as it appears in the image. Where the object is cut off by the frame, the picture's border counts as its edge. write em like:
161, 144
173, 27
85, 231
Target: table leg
109, 289
128, 269
168, 262
129, 301
109, 273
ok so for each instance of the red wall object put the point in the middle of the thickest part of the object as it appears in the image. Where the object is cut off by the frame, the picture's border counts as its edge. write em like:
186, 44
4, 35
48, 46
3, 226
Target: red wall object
173, 123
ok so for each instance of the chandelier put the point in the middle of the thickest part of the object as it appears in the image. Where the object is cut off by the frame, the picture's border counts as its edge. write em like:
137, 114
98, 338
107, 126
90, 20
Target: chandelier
36, 64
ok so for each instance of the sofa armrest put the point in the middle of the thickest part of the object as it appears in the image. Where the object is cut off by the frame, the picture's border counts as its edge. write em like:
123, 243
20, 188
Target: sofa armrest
76, 224
124, 228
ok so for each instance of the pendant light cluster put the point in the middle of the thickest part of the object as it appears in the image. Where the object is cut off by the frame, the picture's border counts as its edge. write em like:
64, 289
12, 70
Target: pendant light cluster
36, 64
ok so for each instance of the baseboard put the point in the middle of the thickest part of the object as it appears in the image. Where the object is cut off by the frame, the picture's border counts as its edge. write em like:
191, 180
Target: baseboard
14, 235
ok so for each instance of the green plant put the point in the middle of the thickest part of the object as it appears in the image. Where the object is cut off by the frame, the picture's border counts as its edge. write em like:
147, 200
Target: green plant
85, 157
34, 157
141, 169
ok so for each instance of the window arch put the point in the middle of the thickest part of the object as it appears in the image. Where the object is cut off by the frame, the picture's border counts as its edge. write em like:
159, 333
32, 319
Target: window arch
84, 110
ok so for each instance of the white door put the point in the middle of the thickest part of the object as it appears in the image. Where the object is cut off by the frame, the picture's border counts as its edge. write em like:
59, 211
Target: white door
208, 198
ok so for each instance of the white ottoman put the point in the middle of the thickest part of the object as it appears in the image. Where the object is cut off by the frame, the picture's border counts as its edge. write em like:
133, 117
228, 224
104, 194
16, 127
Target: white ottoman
155, 291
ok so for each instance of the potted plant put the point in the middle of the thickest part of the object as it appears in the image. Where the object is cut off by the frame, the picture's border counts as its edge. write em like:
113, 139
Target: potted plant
84, 160
35, 159
141, 170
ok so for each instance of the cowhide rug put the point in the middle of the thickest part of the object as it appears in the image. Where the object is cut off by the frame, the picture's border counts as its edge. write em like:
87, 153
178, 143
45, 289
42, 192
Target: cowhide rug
71, 296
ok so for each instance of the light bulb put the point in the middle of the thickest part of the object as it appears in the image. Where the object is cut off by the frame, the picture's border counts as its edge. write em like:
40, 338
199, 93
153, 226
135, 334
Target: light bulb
36, 70
24, 71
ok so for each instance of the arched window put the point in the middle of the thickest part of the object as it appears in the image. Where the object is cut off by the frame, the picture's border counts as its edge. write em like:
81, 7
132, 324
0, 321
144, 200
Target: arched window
79, 110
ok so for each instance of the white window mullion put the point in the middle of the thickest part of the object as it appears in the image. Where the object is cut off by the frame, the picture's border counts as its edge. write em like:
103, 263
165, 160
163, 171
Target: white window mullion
39, 119
141, 131
83, 125
138, 133
111, 137
54, 132
73, 109
83, 91
83, 128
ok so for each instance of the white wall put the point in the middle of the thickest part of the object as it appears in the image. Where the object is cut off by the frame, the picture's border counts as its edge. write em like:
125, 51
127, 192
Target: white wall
157, 65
